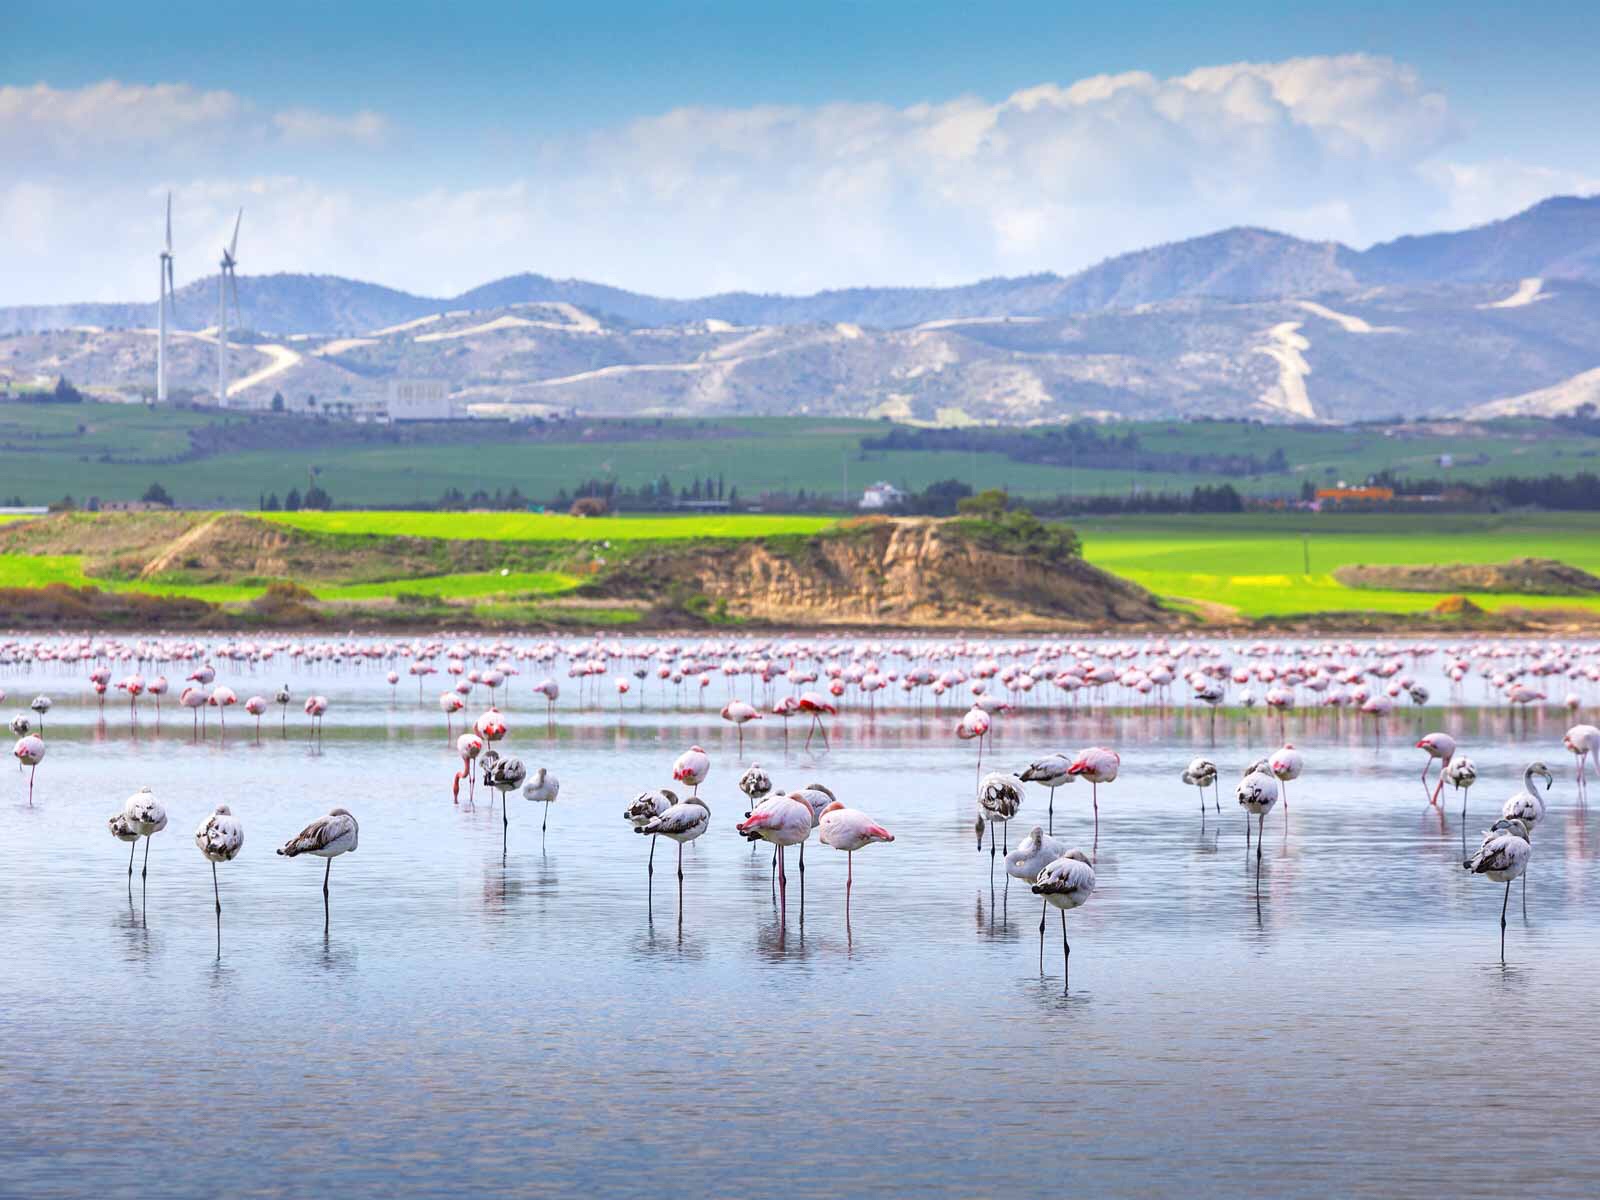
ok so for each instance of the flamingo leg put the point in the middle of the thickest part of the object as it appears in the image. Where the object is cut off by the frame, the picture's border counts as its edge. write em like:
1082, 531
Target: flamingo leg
327, 871
1066, 954
214, 892
144, 869
1261, 836
1044, 911
1216, 797
1052, 828
1503, 905
543, 825
132, 846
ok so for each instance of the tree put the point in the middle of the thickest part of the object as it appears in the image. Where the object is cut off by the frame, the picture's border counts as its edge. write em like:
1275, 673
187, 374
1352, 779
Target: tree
291, 502
990, 503
277, 401
317, 498
156, 494
65, 393
271, 503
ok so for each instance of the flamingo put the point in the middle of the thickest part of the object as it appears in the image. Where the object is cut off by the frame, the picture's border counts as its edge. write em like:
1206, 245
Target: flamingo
1461, 773
29, 752
450, 703
117, 822
144, 815
41, 704
1053, 771
1257, 793
974, 724
157, 687
1202, 773
1098, 765
1066, 883
21, 726
1033, 854
194, 699
543, 789
1441, 748
1285, 764
282, 696
740, 714
784, 821
1503, 857
551, 691
1584, 743
683, 821
755, 783
815, 705
692, 767
849, 829
326, 837
646, 807
468, 746
255, 706
999, 797
316, 707
1528, 806
220, 838
505, 775
220, 699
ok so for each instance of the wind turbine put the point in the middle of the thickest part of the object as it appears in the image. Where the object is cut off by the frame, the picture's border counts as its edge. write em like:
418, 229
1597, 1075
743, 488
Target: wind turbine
227, 285
167, 302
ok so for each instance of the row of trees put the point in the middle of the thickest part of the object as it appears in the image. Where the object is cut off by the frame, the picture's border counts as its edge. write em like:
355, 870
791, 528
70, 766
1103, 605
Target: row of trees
314, 498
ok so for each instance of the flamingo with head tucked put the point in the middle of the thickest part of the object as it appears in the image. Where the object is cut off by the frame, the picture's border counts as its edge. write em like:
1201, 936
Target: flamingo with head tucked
1098, 765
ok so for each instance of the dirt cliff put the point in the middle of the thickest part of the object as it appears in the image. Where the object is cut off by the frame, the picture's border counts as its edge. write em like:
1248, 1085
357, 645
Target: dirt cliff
905, 572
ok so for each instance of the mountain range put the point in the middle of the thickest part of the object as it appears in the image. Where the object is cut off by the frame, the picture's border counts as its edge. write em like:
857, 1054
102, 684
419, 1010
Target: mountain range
1503, 317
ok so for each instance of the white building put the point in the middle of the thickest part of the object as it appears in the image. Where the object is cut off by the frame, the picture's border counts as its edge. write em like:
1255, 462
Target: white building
420, 400
881, 495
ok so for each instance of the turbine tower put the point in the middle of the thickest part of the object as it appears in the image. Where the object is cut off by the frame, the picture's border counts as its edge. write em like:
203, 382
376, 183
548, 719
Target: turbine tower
168, 302
227, 286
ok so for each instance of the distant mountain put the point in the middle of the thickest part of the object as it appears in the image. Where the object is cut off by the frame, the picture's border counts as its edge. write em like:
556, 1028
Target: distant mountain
1558, 238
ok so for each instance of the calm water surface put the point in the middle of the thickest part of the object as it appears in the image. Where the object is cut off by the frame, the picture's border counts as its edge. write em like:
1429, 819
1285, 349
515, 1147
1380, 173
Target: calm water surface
490, 1015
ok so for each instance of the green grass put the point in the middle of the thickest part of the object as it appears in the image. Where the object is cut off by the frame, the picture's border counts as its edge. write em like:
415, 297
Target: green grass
1256, 564
116, 451
538, 527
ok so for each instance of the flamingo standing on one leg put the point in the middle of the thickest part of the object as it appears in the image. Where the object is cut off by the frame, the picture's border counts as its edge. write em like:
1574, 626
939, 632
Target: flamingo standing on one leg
849, 829
1441, 748
543, 789
1503, 857
146, 817
1033, 854
973, 726
692, 767
123, 831
505, 775
740, 714
326, 837
1066, 883
29, 752
646, 807
1098, 765
1257, 793
220, 838
1053, 771
1460, 773
683, 822
1285, 764
1202, 773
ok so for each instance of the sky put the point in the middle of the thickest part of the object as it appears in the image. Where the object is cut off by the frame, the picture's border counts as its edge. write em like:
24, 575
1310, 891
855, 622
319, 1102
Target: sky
693, 147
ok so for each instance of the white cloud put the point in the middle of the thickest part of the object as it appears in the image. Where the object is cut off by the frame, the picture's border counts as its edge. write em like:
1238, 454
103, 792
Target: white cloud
1053, 177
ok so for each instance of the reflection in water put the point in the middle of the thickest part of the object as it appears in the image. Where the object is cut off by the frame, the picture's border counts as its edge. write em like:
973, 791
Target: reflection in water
468, 960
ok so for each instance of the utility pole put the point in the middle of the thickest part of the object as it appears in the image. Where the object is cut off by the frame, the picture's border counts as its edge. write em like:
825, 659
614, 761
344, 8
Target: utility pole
1305, 551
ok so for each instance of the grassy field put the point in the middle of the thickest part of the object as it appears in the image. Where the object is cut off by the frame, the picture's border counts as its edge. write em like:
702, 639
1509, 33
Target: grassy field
1258, 564
116, 451
1252, 565
543, 527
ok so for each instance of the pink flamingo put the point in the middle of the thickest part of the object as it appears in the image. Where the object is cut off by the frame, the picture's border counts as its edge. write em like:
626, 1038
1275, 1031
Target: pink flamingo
450, 703
692, 767
255, 706
740, 713
814, 704
29, 752
849, 829
1441, 748
1098, 765
469, 746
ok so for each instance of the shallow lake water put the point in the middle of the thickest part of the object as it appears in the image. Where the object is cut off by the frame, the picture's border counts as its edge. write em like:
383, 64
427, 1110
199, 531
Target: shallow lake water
492, 1011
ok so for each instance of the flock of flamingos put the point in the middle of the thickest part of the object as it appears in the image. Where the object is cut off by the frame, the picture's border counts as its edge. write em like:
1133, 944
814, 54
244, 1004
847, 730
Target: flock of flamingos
787, 679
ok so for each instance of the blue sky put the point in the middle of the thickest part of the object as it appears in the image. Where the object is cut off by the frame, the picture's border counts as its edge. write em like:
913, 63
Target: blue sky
687, 147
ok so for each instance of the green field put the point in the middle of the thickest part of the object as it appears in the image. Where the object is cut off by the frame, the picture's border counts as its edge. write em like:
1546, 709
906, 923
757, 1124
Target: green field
115, 452
547, 527
1256, 564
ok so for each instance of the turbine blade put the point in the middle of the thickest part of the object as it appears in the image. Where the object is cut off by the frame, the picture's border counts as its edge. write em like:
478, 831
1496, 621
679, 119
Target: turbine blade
169, 224
233, 290
233, 246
